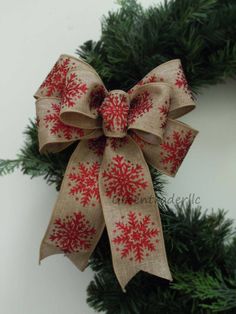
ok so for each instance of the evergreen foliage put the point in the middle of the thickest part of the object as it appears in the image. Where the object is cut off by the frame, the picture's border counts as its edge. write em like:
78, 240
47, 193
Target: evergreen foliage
200, 32
200, 246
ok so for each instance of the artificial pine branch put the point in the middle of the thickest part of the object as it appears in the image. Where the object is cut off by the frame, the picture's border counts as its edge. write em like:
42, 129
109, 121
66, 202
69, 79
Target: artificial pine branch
211, 291
134, 41
8, 166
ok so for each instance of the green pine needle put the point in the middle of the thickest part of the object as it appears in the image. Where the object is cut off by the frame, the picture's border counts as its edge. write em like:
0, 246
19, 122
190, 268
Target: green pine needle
8, 166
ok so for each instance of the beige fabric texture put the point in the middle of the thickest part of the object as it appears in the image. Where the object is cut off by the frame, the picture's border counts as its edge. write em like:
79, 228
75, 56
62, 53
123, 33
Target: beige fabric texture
107, 181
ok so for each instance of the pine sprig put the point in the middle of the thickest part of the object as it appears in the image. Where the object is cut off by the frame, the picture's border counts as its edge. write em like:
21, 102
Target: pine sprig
8, 166
212, 292
135, 40
189, 226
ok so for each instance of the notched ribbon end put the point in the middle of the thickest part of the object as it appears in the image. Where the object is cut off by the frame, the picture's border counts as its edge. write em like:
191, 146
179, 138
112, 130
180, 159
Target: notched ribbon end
163, 275
46, 250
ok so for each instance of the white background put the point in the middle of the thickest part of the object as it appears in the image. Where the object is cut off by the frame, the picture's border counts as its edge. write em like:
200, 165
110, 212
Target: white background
33, 34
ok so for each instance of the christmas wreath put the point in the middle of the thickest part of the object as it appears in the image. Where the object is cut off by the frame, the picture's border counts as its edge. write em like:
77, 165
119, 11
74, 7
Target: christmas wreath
200, 246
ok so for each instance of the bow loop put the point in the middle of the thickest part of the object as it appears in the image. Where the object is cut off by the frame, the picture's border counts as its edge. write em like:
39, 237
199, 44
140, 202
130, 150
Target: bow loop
149, 108
67, 104
77, 100
172, 73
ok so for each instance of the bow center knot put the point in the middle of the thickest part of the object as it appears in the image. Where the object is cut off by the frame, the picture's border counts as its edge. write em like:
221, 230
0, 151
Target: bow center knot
114, 111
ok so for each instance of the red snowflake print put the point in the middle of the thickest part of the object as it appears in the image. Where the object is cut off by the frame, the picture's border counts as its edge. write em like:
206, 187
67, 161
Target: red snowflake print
135, 236
74, 88
164, 111
96, 97
54, 82
141, 104
175, 149
97, 145
114, 111
147, 79
57, 127
83, 183
73, 233
123, 180
181, 82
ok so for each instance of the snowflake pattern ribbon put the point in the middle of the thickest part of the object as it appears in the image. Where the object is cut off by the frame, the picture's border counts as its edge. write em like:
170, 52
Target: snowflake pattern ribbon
107, 181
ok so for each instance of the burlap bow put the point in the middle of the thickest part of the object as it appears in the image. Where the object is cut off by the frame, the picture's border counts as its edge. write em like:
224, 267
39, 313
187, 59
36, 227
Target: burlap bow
107, 180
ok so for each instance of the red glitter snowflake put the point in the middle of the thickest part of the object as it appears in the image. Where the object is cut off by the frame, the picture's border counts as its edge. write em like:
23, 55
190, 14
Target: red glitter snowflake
74, 88
123, 180
181, 82
57, 127
141, 104
164, 111
137, 237
83, 183
114, 111
54, 82
73, 233
175, 149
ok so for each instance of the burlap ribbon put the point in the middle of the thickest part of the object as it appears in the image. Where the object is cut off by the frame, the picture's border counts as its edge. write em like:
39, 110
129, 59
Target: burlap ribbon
107, 180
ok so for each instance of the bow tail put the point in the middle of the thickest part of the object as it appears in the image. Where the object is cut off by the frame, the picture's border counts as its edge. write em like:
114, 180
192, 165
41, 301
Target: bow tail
131, 214
77, 220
